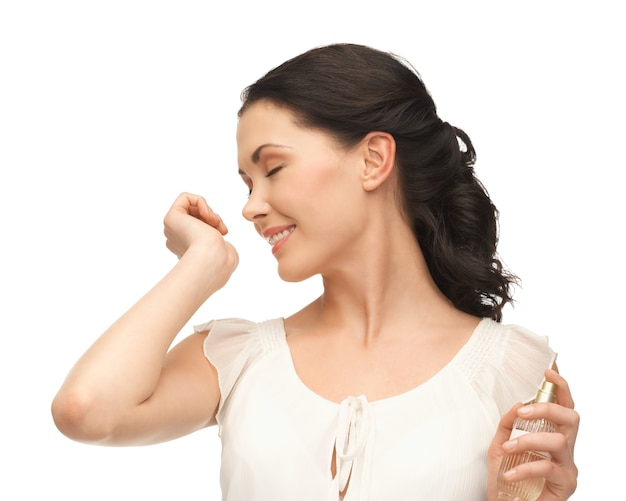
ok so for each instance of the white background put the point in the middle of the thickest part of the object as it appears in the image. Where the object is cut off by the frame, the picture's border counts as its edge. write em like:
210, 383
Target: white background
109, 109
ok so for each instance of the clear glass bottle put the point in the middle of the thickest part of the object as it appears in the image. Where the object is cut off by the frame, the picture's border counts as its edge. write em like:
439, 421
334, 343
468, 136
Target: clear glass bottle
530, 489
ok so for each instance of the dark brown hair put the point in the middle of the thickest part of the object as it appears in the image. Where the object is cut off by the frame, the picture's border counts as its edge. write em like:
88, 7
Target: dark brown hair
349, 90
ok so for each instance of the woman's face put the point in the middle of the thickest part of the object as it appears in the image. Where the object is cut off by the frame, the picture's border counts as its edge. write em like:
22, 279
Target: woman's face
306, 197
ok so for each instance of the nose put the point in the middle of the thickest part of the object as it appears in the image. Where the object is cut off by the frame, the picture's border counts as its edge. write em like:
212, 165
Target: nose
256, 207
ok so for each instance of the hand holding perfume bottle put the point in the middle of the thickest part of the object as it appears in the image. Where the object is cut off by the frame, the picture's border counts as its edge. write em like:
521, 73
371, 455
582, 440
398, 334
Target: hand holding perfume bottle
529, 489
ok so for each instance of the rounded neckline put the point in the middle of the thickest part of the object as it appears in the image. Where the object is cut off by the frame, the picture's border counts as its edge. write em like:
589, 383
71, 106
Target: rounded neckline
467, 346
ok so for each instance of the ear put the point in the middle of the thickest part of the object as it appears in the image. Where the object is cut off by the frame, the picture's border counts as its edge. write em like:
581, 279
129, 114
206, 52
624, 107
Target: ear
379, 150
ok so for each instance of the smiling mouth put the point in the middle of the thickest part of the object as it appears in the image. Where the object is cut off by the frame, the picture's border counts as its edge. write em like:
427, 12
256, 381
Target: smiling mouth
277, 237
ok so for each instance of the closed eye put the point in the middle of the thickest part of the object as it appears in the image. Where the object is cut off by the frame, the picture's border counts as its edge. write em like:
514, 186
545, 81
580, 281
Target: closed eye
270, 173
274, 171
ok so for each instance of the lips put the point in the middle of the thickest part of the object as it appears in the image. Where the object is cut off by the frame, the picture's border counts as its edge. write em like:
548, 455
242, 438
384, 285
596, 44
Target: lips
277, 235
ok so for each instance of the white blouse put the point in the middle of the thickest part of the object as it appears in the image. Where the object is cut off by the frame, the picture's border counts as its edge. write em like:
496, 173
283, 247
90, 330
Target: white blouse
429, 443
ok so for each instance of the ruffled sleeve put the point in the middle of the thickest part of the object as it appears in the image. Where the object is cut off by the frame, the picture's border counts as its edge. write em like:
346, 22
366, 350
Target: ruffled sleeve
231, 347
513, 364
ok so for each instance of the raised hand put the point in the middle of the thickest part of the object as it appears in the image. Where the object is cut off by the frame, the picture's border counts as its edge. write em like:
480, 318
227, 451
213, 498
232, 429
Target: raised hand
190, 222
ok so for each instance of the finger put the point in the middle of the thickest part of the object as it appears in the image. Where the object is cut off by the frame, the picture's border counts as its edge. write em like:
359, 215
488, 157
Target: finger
558, 414
210, 217
185, 200
189, 203
554, 462
560, 481
565, 419
534, 468
197, 206
563, 393
550, 444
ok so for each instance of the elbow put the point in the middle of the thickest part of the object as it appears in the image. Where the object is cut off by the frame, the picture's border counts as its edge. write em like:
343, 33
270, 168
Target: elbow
78, 420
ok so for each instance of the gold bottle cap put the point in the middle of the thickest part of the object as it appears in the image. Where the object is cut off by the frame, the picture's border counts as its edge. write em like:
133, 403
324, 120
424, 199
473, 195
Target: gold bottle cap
547, 392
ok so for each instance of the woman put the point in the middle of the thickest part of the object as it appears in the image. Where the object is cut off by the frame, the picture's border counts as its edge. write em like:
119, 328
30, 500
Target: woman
399, 381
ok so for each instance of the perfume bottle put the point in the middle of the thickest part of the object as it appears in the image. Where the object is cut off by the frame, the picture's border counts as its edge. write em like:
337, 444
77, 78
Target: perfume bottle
530, 489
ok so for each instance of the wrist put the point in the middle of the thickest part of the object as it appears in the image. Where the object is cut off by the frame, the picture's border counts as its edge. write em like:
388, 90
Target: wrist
205, 268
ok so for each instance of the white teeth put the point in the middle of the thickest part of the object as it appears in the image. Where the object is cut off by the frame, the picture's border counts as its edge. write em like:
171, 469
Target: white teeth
279, 236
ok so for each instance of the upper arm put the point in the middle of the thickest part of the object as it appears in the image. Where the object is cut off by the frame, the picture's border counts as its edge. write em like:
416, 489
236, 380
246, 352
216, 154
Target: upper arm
185, 399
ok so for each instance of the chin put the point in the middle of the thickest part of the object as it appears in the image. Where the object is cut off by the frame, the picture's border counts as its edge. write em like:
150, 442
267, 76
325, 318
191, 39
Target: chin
294, 273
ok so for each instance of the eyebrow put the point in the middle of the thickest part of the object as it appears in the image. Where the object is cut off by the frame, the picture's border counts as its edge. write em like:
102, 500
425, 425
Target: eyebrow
257, 153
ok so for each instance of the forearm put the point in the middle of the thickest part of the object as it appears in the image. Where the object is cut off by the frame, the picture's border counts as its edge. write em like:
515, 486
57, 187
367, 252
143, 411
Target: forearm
122, 368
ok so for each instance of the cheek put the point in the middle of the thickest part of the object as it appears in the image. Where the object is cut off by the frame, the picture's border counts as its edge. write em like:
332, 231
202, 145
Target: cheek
332, 187
324, 195
335, 221
328, 206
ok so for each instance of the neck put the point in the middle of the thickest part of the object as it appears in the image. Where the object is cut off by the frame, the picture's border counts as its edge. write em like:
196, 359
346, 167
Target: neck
382, 285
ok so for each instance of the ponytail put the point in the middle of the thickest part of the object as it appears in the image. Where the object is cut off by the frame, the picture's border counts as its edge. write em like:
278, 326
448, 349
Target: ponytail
456, 225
